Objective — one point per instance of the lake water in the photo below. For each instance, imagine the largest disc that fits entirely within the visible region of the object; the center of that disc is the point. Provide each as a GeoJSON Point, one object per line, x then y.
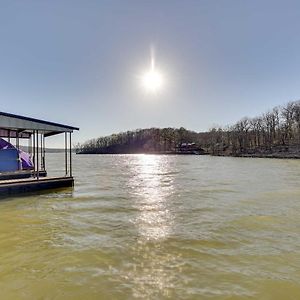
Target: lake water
{"type": "Point", "coordinates": [156, 227]}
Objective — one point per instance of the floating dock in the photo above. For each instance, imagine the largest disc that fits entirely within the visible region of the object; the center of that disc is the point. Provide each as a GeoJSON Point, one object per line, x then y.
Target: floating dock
{"type": "Point", "coordinates": [31, 185]}
{"type": "Point", "coordinates": [15, 128]}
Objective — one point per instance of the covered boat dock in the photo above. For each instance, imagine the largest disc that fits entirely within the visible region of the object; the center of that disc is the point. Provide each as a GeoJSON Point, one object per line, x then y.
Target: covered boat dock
{"type": "Point", "coordinates": [14, 178]}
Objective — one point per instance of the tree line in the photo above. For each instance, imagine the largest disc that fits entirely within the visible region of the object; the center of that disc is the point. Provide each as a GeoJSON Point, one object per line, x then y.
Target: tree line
{"type": "Point", "coordinates": [277, 130]}
{"type": "Point", "coordinates": [152, 140]}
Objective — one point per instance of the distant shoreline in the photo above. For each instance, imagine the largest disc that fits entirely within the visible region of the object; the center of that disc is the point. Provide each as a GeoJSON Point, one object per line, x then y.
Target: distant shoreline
{"type": "Point", "coordinates": [47, 150]}
{"type": "Point", "coordinates": [273, 155]}
{"type": "Point", "coordinates": [274, 134]}
{"type": "Point", "coordinates": [154, 153]}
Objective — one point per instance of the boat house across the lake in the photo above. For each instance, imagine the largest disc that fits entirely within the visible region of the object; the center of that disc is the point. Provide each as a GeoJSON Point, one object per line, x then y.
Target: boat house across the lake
{"type": "Point", "coordinates": [22, 172]}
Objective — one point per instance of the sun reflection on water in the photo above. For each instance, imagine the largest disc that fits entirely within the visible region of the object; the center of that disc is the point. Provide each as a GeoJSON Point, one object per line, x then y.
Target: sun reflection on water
{"type": "Point", "coordinates": [152, 184]}
{"type": "Point", "coordinates": [152, 189]}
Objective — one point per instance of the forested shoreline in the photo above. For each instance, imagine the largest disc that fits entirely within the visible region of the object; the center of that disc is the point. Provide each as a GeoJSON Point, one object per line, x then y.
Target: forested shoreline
{"type": "Point", "coordinates": [275, 133]}
{"type": "Point", "coordinates": [152, 140]}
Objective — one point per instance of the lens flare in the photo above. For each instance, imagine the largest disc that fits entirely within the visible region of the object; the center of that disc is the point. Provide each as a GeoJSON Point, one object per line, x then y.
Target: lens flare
{"type": "Point", "coordinates": [152, 81]}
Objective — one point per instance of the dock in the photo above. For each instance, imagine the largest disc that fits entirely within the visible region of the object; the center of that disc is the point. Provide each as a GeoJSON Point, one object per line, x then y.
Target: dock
{"type": "Point", "coordinates": [14, 178]}
{"type": "Point", "coordinates": [31, 185]}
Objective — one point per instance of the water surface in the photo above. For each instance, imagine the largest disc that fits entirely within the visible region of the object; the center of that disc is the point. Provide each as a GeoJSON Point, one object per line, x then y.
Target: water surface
{"type": "Point", "coordinates": [156, 227]}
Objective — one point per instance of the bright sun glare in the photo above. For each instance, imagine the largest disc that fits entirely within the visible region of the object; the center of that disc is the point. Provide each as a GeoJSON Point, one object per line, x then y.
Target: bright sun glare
{"type": "Point", "coordinates": [152, 80]}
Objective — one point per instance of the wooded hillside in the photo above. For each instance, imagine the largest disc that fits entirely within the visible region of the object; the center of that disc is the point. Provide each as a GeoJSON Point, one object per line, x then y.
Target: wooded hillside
{"type": "Point", "coordinates": [276, 131]}
{"type": "Point", "coordinates": [153, 140]}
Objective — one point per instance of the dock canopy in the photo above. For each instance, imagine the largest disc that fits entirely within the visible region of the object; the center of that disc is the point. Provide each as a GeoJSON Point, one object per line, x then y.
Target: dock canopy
{"type": "Point", "coordinates": [15, 126]}
{"type": "Point", "coordinates": [26, 172]}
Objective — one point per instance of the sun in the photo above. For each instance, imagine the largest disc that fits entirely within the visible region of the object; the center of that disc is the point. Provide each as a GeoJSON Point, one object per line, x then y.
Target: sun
{"type": "Point", "coordinates": [152, 80]}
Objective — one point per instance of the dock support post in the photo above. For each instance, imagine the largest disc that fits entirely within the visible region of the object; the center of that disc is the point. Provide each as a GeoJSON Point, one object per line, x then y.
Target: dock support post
{"type": "Point", "coordinates": [18, 147]}
{"type": "Point", "coordinates": [70, 154]}
{"type": "Point", "coordinates": [37, 154]}
{"type": "Point", "coordinates": [44, 153]}
{"type": "Point", "coordinates": [17, 140]}
{"type": "Point", "coordinates": [66, 153]}
{"type": "Point", "coordinates": [34, 156]}
{"type": "Point", "coordinates": [30, 146]}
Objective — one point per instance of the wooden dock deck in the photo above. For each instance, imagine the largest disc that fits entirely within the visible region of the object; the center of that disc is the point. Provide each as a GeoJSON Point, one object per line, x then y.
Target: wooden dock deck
{"type": "Point", "coordinates": [29, 185]}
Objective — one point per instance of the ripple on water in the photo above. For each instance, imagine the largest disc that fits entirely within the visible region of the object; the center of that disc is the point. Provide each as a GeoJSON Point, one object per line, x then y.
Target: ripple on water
{"type": "Point", "coordinates": [157, 227]}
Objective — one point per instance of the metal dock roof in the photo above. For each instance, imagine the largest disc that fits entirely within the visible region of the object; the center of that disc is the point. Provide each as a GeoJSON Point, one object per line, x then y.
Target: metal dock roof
{"type": "Point", "coordinates": [11, 124]}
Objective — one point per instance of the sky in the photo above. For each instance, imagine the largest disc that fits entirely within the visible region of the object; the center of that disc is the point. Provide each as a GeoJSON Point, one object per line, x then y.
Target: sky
{"type": "Point", "coordinates": [80, 62]}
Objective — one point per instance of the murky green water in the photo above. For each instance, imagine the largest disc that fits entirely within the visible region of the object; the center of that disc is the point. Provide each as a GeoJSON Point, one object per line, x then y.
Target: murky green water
{"type": "Point", "coordinates": [156, 227]}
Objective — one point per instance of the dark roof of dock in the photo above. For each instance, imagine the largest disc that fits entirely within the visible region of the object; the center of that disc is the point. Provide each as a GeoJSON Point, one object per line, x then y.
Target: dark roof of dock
{"type": "Point", "coordinates": [22, 124]}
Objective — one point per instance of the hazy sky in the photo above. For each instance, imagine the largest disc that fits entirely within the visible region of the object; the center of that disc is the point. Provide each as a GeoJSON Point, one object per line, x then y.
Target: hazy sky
{"type": "Point", "coordinates": [79, 62]}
